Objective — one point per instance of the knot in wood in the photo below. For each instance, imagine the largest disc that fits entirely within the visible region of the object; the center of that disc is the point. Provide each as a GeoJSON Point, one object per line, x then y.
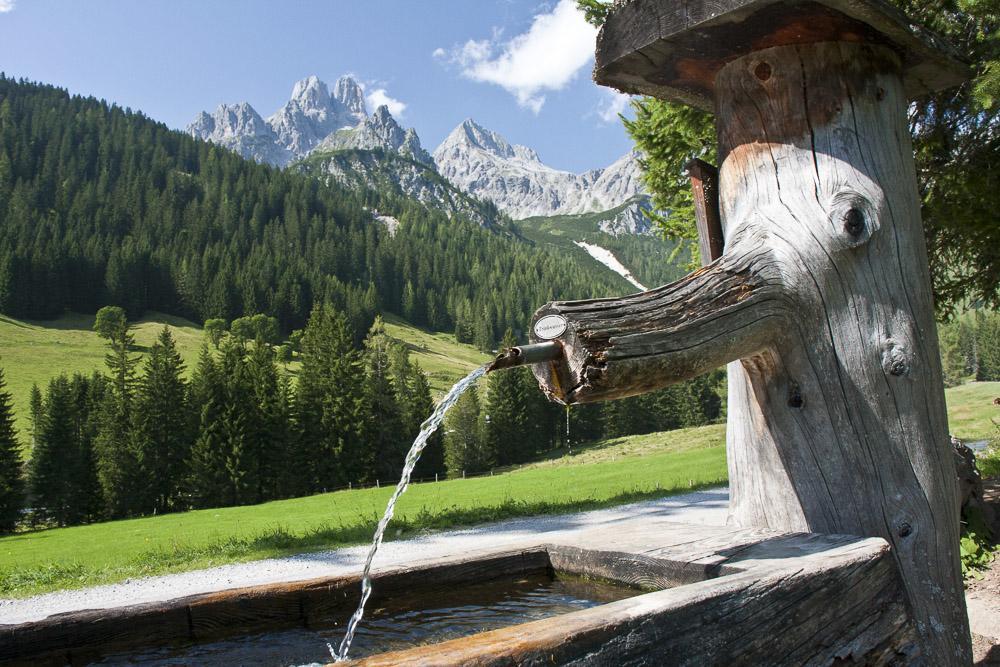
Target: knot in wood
{"type": "Point", "coordinates": [895, 359]}
{"type": "Point", "coordinates": [762, 71]}
{"type": "Point", "coordinates": [854, 222]}
{"type": "Point", "coordinates": [795, 396]}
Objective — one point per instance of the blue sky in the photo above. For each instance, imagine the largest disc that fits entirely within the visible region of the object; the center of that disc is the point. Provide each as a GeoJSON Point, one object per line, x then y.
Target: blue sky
{"type": "Point", "coordinates": [520, 67]}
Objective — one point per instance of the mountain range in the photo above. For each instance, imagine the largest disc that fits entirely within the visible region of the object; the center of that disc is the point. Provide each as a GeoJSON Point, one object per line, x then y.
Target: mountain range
{"type": "Point", "coordinates": [319, 124]}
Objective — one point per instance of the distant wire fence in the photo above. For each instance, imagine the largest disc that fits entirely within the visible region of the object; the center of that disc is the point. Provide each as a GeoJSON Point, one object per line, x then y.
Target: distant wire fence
{"type": "Point", "coordinates": [379, 483]}
{"type": "Point", "coordinates": [391, 483]}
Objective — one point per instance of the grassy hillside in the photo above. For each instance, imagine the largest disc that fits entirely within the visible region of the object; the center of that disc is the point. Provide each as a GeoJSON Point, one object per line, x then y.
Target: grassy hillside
{"type": "Point", "coordinates": [614, 472]}
{"type": "Point", "coordinates": [444, 359]}
{"type": "Point", "coordinates": [971, 409]}
{"type": "Point", "coordinates": [37, 351]}
{"type": "Point", "coordinates": [34, 352]}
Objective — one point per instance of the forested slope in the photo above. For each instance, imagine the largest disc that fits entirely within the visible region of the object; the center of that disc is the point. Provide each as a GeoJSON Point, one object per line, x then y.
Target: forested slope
{"type": "Point", "coordinates": [102, 205]}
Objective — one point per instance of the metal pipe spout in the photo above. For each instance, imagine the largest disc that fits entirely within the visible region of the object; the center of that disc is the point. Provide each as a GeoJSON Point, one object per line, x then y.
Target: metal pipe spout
{"type": "Point", "coordinates": [523, 355]}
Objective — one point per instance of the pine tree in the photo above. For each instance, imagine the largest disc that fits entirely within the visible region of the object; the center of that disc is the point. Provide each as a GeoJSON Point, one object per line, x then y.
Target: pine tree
{"type": "Point", "coordinates": [207, 476]}
{"type": "Point", "coordinates": [511, 414]}
{"type": "Point", "coordinates": [329, 412]}
{"type": "Point", "coordinates": [117, 461]}
{"type": "Point", "coordinates": [11, 472]}
{"type": "Point", "coordinates": [53, 460]}
{"type": "Point", "coordinates": [162, 437]}
{"type": "Point", "coordinates": [416, 405]}
{"type": "Point", "coordinates": [239, 421]}
{"type": "Point", "coordinates": [952, 359]}
{"type": "Point", "coordinates": [36, 408]}
{"type": "Point", "coordinates": [465, 447]}
{"type": "Point", "coordinates": [90, 394]}
{"type": "Point", "coordinates": [385, 432]}
{"type": "Point", "coordinates": [988, 346]}
{"type": "Point", "coordinates": [269, 425]}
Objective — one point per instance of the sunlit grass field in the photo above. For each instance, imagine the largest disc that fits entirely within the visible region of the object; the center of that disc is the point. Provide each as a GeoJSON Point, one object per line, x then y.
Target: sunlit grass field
{"type": "Point", "coordinates": [35, 352]}
{"type": "Point", "coordinates": [971, 412]}
{"type": "Point", "coordinates": [605, 474]}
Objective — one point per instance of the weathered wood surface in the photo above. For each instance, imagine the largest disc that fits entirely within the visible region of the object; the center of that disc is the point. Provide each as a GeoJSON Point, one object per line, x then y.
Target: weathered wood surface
{"type": "Point", "coordinates": [81, 637]}
{"type": "Point", "coordinates": [836, 414]}
{"type": "Point", "coordinates": [734, 588]}
{"type": "Point", "coordinates": [705, 193]}
{"type": "Point", "coordinates": [675, 49]}
{"type": "Point", "coordinates": [842, 604]}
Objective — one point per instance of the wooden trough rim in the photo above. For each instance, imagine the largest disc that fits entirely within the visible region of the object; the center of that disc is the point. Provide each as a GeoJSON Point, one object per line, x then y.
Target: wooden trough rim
{"type": "Point", "coordinates": [676, 555]}
{"type": "Point", "coordinates": [583, 635]}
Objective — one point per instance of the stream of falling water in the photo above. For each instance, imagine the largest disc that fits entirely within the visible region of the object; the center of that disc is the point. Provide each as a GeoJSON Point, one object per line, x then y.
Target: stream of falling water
{"type": "Point", "coordinates": [426, 430]}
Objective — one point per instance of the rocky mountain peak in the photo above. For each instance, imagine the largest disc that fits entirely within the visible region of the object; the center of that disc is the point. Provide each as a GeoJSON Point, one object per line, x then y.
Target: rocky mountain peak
{"type": "Point", "coordinates": [484, 164]}
{"type": "Point", "coordinates": [472, 135]}
{"type": "Point", "coordinates": [383, 117]}
{"type": "Point", "coordinates": [351, 95]}
{"type": "Point", "coordinates": [309, 116]}
{"type": "Point", "coordinates": [312, 94]}
{"type": "Point", "coordinates": [239, 127]}
{"type": "Point", "coordinates": [379, 131]}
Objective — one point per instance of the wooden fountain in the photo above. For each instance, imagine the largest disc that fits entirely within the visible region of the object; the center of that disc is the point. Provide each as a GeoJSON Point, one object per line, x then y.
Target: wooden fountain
{"type": "Point", "coordinates": [820, 301]}
{"type": "Point", "coordinates": [842, 544]}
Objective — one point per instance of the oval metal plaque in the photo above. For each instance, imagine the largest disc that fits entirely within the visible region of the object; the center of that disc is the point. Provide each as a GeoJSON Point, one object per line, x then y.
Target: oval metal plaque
{"type": "Point", "coordinates": [550, 326]}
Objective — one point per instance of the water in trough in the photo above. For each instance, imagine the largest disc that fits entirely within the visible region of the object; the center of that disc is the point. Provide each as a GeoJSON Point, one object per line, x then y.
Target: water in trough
{"type": "Point", "coordinates": [416, 449]}
{"type": "Point", "coordinates": [398, 624]}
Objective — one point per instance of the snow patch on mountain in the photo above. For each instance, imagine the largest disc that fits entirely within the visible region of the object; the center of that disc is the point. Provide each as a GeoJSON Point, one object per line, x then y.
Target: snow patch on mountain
{"type": "Point", "coordinates": [608, 259]}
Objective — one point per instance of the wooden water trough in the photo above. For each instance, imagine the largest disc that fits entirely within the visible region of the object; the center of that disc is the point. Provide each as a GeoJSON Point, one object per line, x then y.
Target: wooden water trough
{"type": "Point", "coordinates": [717, 596]}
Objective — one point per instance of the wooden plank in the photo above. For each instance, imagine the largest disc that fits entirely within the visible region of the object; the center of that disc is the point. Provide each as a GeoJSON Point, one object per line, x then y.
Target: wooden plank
{"type": "Point", "coordinates": [225, 614]}
{"type": "Point", "coordinates": [821, 305]}
{"type": "Point", "coordinates": [705, 192]}
{"type": "Point", "coordinates": [633, 570]}
{"type": "Point", "coordinates": [85, 636]}
{"type": "Point", "coordinates": [673, 50]}
{"type": "Point", "coordinates": [79, 636]}
{"type": "Point", "coordinates": [848, 609]}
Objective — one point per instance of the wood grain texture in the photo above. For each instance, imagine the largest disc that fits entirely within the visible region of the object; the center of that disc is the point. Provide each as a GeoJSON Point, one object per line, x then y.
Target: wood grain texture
{"type": "Point", "coordinates": [85, 636]}
{"type": "Point", "coordinates": [843, 606]}
{"type": "Point", "coordinates": [848, 398]}
{"type": "Point", "coordinates": [705, 193]}
{"type": "Point", "coordinates": [820, 595]}
{"type": "Point", "coordinates": [673, 50]}
{"type": "Point", "coordinates": [836, 413]}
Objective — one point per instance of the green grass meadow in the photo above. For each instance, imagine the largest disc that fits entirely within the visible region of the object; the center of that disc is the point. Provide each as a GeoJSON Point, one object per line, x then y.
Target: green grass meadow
{"type": "Point", "coordinates": [971, 413]}
{"type": "Point", "coordinates": [35, 352]}
{"type": "Point", "coordinates": [606, 474]}
{"type": "Point", "coordinates": [610, 472]}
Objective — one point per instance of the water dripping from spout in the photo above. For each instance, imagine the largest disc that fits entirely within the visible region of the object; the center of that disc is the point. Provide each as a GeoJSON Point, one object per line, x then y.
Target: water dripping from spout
{"type": "Point", "coordinates": [426, 430]}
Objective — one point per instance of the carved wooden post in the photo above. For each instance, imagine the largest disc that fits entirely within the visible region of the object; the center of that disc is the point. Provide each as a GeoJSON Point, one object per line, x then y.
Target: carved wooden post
{"type": "Point", "coordinates": [821, 300]}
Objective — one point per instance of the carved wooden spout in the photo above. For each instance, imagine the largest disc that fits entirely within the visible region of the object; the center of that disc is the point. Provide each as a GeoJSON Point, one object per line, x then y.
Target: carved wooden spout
{"type": "Point", "coordinates": [822, 303]}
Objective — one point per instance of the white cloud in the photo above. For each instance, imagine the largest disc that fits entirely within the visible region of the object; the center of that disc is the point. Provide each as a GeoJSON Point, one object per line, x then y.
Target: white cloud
{"type": "Point", "coordinates": [439, 53]}
{"type": "Point", "coordinates": [612, 105]}
{"type": "Point", "coordinates": [379, 96]}
{"type": "Point", "coordinates": [546, 57]}
{"type": "Point", "coordinates": [6, 6]}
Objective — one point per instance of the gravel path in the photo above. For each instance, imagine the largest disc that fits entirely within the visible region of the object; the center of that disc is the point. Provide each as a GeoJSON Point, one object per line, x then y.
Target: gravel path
{"type": "Point", "coordinates": [703, 507]}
